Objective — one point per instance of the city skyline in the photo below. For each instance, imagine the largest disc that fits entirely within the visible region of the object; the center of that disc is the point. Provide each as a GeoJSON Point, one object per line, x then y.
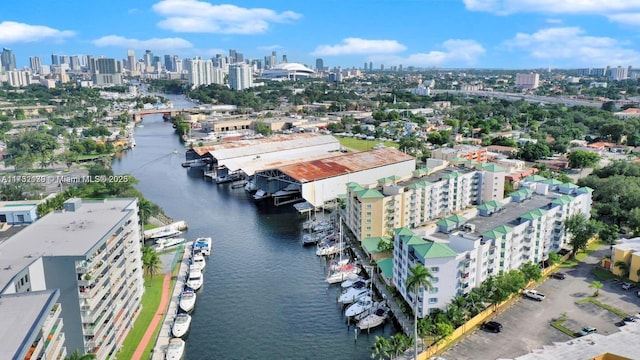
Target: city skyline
{"type": "Point", "coordinates": [429, 33]}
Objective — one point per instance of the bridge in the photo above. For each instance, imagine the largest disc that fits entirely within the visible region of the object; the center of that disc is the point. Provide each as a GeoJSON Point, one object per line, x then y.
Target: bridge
{"type": "Point", "coordinates": [529, 98]}
{"type": "Point", "coordinates": [209, 109]}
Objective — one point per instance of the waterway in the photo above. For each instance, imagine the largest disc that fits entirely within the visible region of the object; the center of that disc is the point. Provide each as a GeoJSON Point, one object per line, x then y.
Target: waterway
{"type": "Point", "coordinates": [264, 295]}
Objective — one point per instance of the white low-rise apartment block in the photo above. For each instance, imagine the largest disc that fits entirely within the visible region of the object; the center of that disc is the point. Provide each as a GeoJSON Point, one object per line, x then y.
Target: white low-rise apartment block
{"type": "Point", "coordinates": [88, 254]}
{"type": "Point", "coordinates": [464, 249]}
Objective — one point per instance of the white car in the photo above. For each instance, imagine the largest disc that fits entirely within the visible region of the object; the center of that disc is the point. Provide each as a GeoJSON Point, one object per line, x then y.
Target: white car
{"type": "Point", "coordinates": [626, 286]}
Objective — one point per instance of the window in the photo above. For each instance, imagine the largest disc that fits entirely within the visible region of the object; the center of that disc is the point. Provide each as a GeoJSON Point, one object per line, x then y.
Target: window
{"type": "Point", "coordinates": [433, 300]}
{"type": "Point", "coordinates": [369, 206]}
{"type": "Point", "coordinates": [435, 280]}
{"type": "Point", "coordinates": [433, 290]}
{"type": "Point", "coordinates": [368, 228]}
{"type": "Point", "coordinates": [368, 213]}
{"type": "Point", "coordinates": [434, 269]}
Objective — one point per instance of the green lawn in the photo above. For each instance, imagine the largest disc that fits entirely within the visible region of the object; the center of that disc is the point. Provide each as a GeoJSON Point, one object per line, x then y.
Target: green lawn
{"type": "Point", "coordinates": [602, 274]}
{"type": "Point", "coordinates": [610, 309]}
{"type": "Point", "coordinates": [150, 303]}
{"type": "Point", "coordinates": [150, 226]}
{"type": "Point", "coordinates": [363, 145]}
{"type": "Point", "coordinates": [559, 324]}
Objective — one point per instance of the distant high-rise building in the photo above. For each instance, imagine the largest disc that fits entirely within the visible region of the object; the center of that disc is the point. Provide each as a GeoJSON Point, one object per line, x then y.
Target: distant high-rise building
{"type": "Point", "coordinates": [365, 66]}
{"type": "Point", "coordinates": [239, 57]}
{"type": "Point", "coordinates": [232, 55]}
{"type": "Point", "coordinates": [108, 72]}
{"type": "Point", "coordinates": [36, 64]}
{"type": "Point", "coordinates": [240, 76]}
{"type": "Point", "coordinates": [168, 63]}
{"type": "Point", "coordinates": [8, 60]}
{"type": "Point", "coordinates": [74, 63]}
{"type": "Point", "coordinates": [528, 81]}
{"type": "Point", "coordinates": [131, 62]}
{"type": "Point", "coordinates": [319, 65]}
{"type": "Point", "coordinates": [55, 59]}
{"type": "Point", "coordinates": [370, 65]}
{"type": "Point", "coordinates": [201, 72]}
{"type": "Point", "coordinates": [381, 67]}
{"type": "Point", "coordinates": [284, 59]}
{"type": "Point", "coordinates": [148, 60]}
{"type": "Point", "coordinates": [91, 64]}
{"type": "Point", "coordinates": [618, 73]}
{"type": "Point", "coordinates": [400, 67]}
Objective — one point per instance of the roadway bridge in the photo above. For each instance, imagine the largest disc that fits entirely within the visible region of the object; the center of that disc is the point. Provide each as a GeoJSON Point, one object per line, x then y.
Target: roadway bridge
{"type": "Point", "coordinates": [211, 109]}
{"type": "Point", "coordinates": [529, 98]}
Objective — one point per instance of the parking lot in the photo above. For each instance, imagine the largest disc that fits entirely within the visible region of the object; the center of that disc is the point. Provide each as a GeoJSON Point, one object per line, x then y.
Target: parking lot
{"type": "Point", "coordinates": [526, 324]}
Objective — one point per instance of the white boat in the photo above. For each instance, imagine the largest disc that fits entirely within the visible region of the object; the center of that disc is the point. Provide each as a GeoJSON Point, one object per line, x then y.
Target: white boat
{"type": "Point", "coordinates": [329, 249]}
{"type": "Point", "coordinates": [165, 243]}
{"type": "Point", "coordinates": [312, 238]}
{"type": "Point", "coordinates": [175, 350]}
{"type": "Point", "coordinates": [353, 280]}
{"type": "Point", "coordinates": [195, 279]}
{"type": "Point", "coordinates": [260, 195]}
{"type": "Point", "coordinates": [376, 317]}
{"type": "Point", "coordinates": [338, 265]}
{"type": "Point", "coordinates": [198, 260]}
{"type": "Point", "coordinates": [227, 178]}
{"type": "Point", "coordinates": [288, 190]}
{"type": "Point", "coordinates": [360, 306]}
{"type": "Point", "coordinates": [352, 294]}
{"type": "Point", "coordinates": [204, 244]}
{"type": "Point", "coordinates": [168, 232]}
{"type": "Point", "coordinates": [322, 226]}
{"type": "Point", "coordinates": [250, 186]}
{"type": "Point", "coordinates": [187, 300]}
{"type": "Point", "coordinates": [181, 325]}
{"type": "Point", "coordinates": [344, 273]}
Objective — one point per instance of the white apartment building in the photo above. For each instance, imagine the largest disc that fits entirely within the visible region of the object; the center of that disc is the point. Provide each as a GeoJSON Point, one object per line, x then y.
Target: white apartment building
{"type": "Point", "coordinates": [240, 76]}
{"type": "Point", "coordinates": [498, 236]}
{"type": "Point", "coordinates": [201, 72]}
{"type": "Point", "coordinates": [618, 73]}
{"type": "Point", "coordinates": [90, 253]}
{"type": "Point", "coordinates": [528, 81]}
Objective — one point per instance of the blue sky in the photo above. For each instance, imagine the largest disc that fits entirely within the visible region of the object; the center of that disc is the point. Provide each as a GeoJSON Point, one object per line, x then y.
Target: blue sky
{"type": "Point", "coordinates": [347, 33]}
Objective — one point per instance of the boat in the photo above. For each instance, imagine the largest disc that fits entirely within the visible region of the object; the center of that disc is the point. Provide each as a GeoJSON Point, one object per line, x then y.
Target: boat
{"type": "Point", "coordinates": [165, 243]}
{"type": "Point", "coordinates": [343, 273]}
{"type": "Point", "coordinates": [204, 245]}
{"type": "Point", "coordinates": [350, 295]}
{"type": "Point", "coordinates": [181, 325]}
{"type": "Point", "coordinates": [313, 238]}
{"type": "Point", "coordinates": [260, 195]}
{"type": "Point", "coordinates": [376, 317]}
{"type": "Point", "coordinates": [288, 190]}
{"type": "Point", "coordinates": [175, 350]}
{"type": "Point", "coordinates": [195, 280]}
{"type": "Point", "coordinates": [199, 261]}
{"type": "Point", "coordinates": [250, 186]}
{"type": "Point", "coordinates": [325, 249]}
{"type": "Point", "coordinates": [353, 281]}
{"type": "Point", "coordinates": [168, 232]}
{"type": "Point", "coordinates": [187, 300]}
{"type": "Point", "coordinates": [227, 178]}
{"type": "Point", "coordinates": [322, 226]}
{"type": "Point", "coordinates": [363, 304]}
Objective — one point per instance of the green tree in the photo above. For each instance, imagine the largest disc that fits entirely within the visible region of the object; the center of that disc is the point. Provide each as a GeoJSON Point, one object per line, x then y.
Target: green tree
{"type": "Point", "coordinates": [580, 230]}
{"type": "Point", "coordinates": [381, 348]}
{"type": "Point", "coordinates": [531, 271]}
{"type": "Point", "coordinates": [554, 258]}
{"type": "Point", "coordinates": [597, 285]}
{"type": "Point", "coordinates": [77, 356]}
{"type": "Point", "coordinates": [151, 262]}
{"type": "Point", "coordinates": [580, 159]}
{"type": "Point", "coordinates": [419, 278]}
{"type": "Point", "coordinates": [263, 128]}
{"type": "Point", "coordinates": [622, 266]}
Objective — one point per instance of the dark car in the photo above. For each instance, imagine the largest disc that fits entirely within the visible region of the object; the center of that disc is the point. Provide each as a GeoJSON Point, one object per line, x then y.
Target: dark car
{"type": "Point", "coordinates": [492, 326]}
{"type": "Point", "coordinates": [587, 330]}
{"type": "Point", "coordinates": [629, 319]}
{"type": "Point", "coordinates": [559, 275]}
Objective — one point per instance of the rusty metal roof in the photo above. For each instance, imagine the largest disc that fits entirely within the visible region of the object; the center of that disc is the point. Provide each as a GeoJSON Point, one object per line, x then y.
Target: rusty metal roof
{"type": "Point", "coordinates": [348, 163]}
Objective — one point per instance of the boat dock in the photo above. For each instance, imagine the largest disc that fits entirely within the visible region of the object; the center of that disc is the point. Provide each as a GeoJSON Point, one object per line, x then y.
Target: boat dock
{"type": "Point", "coordinates": [162, 342]}
{"type": "Point", "coordinates": [404, 321]}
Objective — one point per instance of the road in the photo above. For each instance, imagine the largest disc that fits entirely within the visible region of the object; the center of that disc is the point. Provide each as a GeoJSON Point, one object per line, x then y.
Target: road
{"type": "Point", "coordinates": [529, 98]}
{"type": "Point", "coordinates": [527, 322]}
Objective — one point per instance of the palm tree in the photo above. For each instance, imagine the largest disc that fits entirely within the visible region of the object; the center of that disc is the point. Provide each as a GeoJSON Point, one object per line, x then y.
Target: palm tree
{"type": "Point", "coordinates": [420, 277]}
{"type": "Point", "coordinates": [596, 285]}
{"type": "Point", "coordinates": [76, 356]}
{"type": "Point", "coordinates": [151, 261]}
{"type": "Point", "coordinates": [380, 348]}
{"type": "Point", "coordinates": [622, 266]}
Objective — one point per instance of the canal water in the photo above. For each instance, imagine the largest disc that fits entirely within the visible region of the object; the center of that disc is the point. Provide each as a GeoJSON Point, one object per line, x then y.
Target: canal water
{"type": "Point", "coordinates": [264, 294]}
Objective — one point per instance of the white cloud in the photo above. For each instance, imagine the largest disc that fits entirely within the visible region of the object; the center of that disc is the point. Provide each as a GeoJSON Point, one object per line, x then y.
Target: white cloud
{"type": "Point", "coordinates": [570, 45]}
{"type": "Point", "coordinates": [456, 52]}
{"type": "Point", "coordinates": [553, 6]}
{"type": "Point", "coordinates": [155, 43]}
{"type": "Point", "coordinates": [202, 17]}
{"type": "Point", "coordinates": [632, 19]}
{"type": "Point", "coordinates": [353, 46]}
{"type": "Point", "coordinates": [15, 32]}
{"type": "Point", "coordinates": [554, 21]}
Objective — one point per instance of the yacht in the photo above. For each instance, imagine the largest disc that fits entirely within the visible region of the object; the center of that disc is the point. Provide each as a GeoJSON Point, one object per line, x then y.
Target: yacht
{"type": "Point", "coordinates": [175, 350]}
{"type": "Point", "coordinates": [168, 232]}
{"type": "Point", "coordinates": [181, 325]}
{"type": "Point", "coordinates": [195, 279]}
{"type": "Point", "coordinates": [260, 195]}
{"type": "Point", "coordinates": [187, 300]}
{"type": "Point", "coordinates": [363, 304]}
{"type": "Point", "coordinates": [352, 294]}
{"type": "Point", "coordinates": [198, 260]}
{"type": "Point", "coordinates": [165, 243]}
{"type": "Point", "coordinates": [204, 245]}
{"type": "Point", "coordinates": [343, 273]}
{"type": "Point", "coordinates": [376, 317]}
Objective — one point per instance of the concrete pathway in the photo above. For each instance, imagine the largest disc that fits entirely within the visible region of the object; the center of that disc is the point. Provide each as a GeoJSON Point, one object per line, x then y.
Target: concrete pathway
{"type": "Point", "coordinates": [164, 301]}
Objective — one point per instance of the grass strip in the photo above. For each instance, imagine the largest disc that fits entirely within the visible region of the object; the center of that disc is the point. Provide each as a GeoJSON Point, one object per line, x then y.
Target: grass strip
{"type": "Point", "coordinates": [558, 324]}
{"type": "Point", "coordinates": [150, 302]}
{"type": "Point", "coordinates": [602, 274]}
{"type": "Point", "coordinates": [602, 305]}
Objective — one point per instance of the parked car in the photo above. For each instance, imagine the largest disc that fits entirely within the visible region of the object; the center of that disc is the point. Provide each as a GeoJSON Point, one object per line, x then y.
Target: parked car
{"type": "Point", "coordinates": [559, 275]}
{"type": "Point", "coordinates": [626, 286]}
{"type": "Point", "coordinates": [533, 294]}
{"type": "Point", "coordinates": [586, 331]}
{"type": "Point", "coordinates": [492, 326]}
{"type": "Point", "coordinates": [629, 319]}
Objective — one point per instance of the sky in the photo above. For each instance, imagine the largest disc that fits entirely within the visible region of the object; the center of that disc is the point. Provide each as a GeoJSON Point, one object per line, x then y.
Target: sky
{"type": "Point", "coordinates": [513, 34]}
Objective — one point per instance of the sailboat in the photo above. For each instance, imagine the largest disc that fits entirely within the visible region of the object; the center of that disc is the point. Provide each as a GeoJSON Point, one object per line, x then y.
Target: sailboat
{"type": "Point", "coordinates": [340, 270]}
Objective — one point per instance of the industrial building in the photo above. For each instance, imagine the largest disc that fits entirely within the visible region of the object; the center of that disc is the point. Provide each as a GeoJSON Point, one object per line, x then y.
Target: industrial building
{"type": "Point", "coordinates": [81, 265]}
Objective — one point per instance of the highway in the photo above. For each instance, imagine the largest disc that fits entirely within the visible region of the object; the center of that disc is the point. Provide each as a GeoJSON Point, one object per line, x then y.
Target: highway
{"type": "Point", "coordinates": [529, 98]}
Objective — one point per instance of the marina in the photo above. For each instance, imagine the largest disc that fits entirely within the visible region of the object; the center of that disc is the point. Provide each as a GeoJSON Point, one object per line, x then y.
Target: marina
{"type": "Point", "coordinates": [259, 252]}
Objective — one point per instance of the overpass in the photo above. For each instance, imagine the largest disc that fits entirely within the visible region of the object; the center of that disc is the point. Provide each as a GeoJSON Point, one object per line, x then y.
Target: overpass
{"type": "Point", "coordinates": [529, 98]}
{"type": "Point", "coordinates": [138, 114]}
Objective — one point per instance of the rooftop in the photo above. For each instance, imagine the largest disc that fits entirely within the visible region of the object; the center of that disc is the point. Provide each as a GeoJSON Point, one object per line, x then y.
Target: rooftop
{"type": "Point", "coordinates": [258, 146]}
{"type": "Point", "coordinates": [24, 311]}
{"type": "Point", "coordinates": [62, 233]}
{"type": "Point", "coordinates": [347, 163]}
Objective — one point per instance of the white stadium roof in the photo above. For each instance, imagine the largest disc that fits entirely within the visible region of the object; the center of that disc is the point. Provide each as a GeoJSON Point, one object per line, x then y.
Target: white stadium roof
{"type": "Point", "coordinates": [288, 70]}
